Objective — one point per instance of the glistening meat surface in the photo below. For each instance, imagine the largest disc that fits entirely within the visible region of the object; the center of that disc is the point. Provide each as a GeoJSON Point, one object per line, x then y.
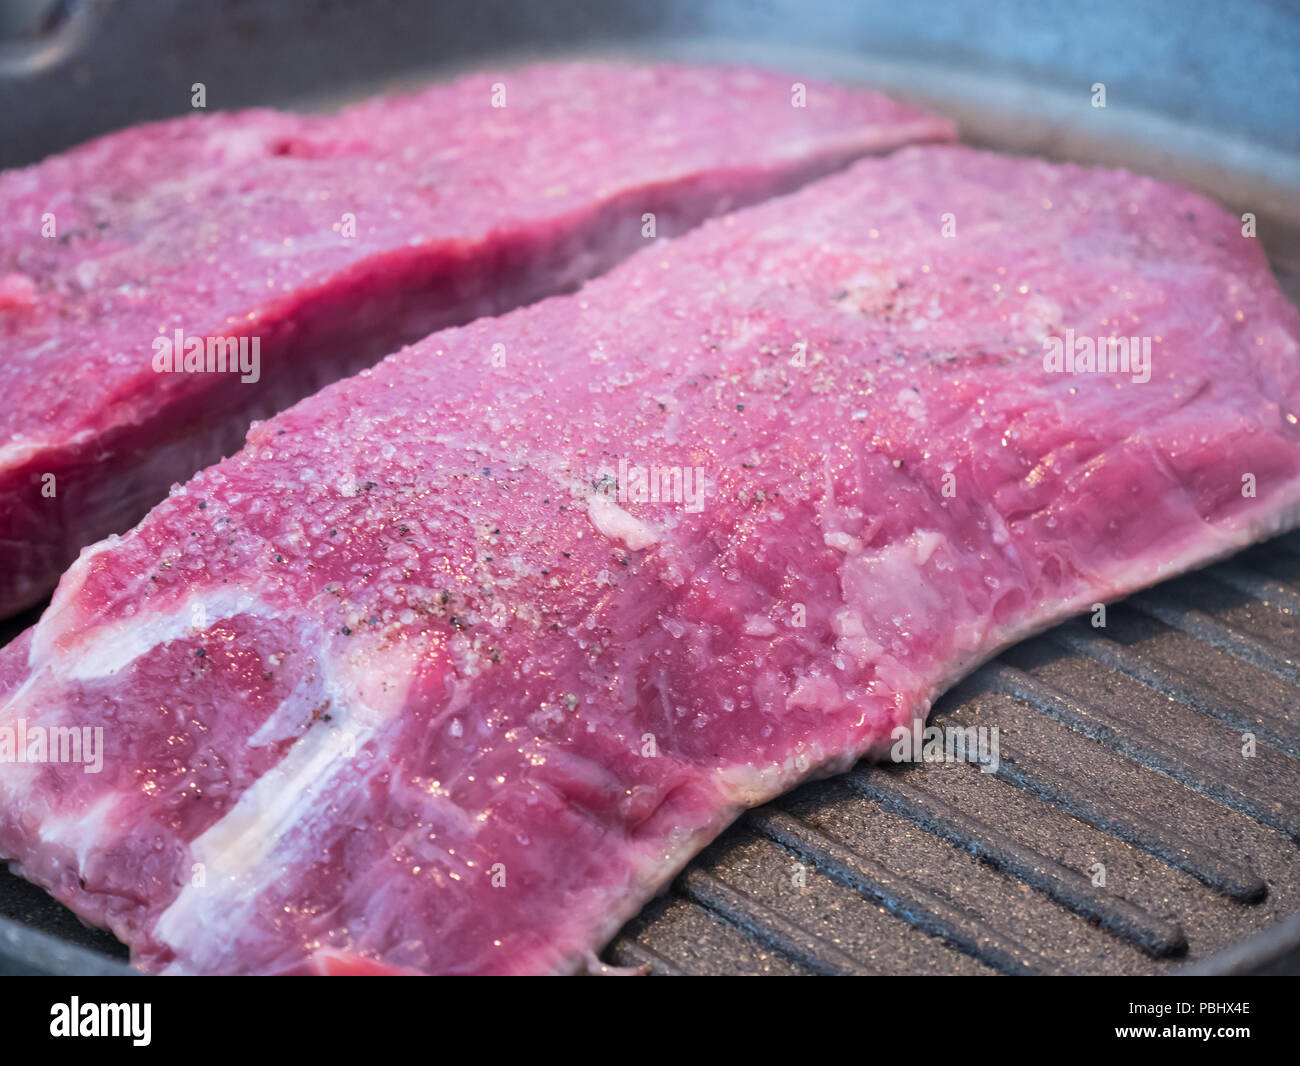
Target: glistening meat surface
{"type": "Point", "coordinates": [409, 683]}
{"type": "Point", "coordinates": [333, 240]}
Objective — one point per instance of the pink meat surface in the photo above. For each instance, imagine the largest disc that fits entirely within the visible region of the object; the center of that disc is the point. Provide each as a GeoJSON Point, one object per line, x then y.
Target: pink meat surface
{"type": "Point", "coordinates": [238, 225]}
{"type": "Point", "coordinates": [417, 681]}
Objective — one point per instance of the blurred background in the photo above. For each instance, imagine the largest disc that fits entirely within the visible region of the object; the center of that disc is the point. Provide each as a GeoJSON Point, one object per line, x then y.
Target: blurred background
{"type": "Point", "coordinates": [70, 69]}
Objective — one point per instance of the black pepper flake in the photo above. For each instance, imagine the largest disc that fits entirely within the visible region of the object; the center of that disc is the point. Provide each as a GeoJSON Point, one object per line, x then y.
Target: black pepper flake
{"type": "Point", "coordinates": [346, 631]}
{"type": "Point", "coordinates": [202, 653]}
{"type": "Point", "coordinates": [203, 505]}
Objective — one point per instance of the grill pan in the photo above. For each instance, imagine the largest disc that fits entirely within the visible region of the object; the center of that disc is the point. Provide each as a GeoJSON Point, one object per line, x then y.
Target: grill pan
{"type": "Point", "coordinates": [1125, 832]}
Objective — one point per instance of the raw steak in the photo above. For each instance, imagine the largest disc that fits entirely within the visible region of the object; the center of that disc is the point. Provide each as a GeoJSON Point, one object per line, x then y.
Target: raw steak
{"type": "Point", "coordinates": [424, 680]}
{"type": "Point", "coordinates": [240, 225]}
